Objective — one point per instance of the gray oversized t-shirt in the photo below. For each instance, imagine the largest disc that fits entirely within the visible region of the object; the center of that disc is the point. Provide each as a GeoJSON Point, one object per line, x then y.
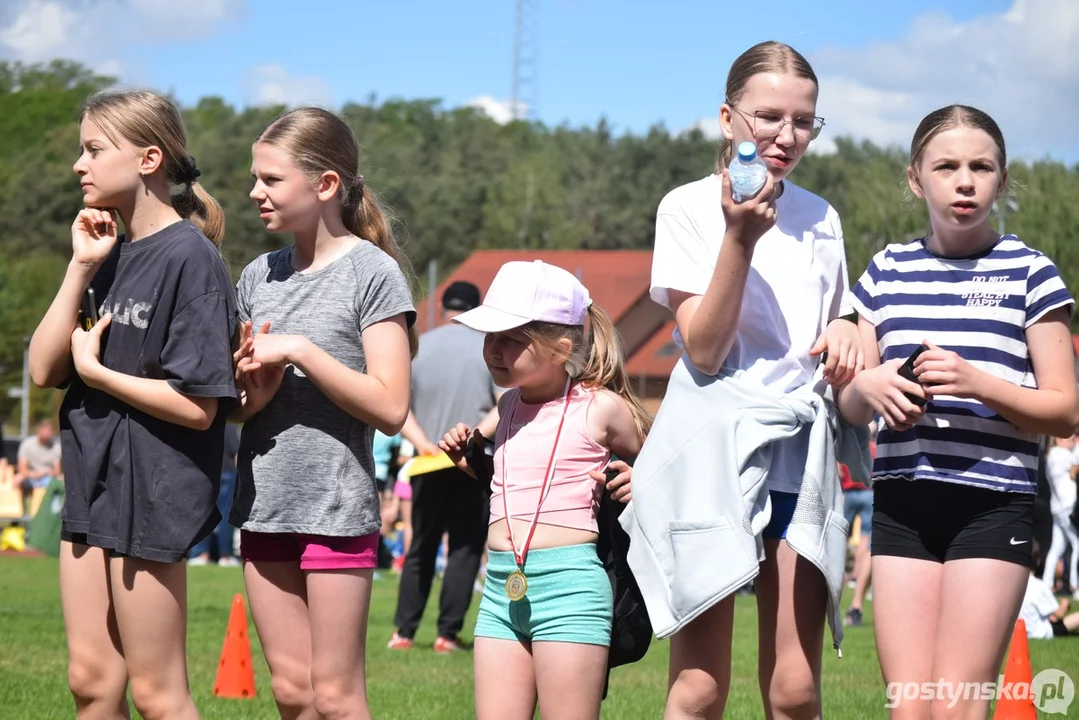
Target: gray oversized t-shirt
{"type": "Point", "coordinates": [305, 465]}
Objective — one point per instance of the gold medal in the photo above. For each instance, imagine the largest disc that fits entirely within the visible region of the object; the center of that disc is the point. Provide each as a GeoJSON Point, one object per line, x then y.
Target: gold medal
{"type": "Point", "coordinates": [516, 585]}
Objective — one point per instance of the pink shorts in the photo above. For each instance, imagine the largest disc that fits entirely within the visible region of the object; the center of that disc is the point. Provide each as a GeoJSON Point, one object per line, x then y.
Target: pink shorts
{"type": "Point", "coordinates": [313, 552]}
{"type": "Point", "coordinates": [403, 490]}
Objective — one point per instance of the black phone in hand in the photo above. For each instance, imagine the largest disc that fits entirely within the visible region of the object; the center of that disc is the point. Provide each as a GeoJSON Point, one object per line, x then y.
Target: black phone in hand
{"type": "Point", "coordinates": [906, 370]}
{"type": "Point", "coordinates": [88, 314]}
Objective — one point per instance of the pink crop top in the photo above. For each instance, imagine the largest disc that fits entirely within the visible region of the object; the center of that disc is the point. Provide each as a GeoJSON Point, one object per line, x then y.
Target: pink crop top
{"type": "Point", "coordinates": [572, 497]}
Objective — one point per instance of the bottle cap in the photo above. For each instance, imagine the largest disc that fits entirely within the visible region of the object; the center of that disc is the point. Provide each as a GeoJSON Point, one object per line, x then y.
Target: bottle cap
{"type": "Point", "coordinates": [747, 151]}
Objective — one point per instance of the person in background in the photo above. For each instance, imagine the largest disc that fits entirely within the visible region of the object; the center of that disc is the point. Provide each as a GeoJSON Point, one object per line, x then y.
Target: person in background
{"type": "Point", "coordinates": [222, 536]}
{"type": "Point", "coordinates": [39, 461]}
{"type": "Point", "coordinates": [402, 501]}
{"type": "Point", "coordinates": [1044, 616]}
{"type": "Point", "coordinates": [1060, 470]}
{"type": "Point", "coordinates": [858, 501]}
{"type": "Point", "coordinates": [450, 383]}
{"type": "Point", "coordinates": [386, 453]}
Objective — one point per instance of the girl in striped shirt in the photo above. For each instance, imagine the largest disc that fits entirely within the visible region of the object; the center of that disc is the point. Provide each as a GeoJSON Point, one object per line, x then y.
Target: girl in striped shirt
{"type": "Point", "coordinates": [955, 473]}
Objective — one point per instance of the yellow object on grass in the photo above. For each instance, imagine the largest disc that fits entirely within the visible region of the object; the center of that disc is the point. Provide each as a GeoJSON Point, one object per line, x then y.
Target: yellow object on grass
{"type": "Point", "coordinates": [13, 538]}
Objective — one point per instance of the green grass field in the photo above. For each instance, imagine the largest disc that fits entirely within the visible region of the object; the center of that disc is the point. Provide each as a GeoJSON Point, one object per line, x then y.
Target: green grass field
{"type": "Point", "coordinates": [415, 685]}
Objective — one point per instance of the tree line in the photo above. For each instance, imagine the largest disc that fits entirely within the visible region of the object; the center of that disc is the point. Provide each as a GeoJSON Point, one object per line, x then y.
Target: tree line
{"type": "Point", "coordinates": [455, 181]}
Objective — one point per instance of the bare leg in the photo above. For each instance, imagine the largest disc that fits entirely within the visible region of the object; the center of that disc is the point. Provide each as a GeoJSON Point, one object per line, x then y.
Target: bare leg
{"type": "Point", "coordinates": [97, 672]}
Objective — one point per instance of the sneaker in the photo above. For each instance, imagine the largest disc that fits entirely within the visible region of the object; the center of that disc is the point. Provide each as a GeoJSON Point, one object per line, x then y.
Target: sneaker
{"type": "Point", "coordinates": [854, 617]}
{"type": "Point", "coordinates": [197, 561]}
{"type": "Point", "coordinates": [400, 643]}
{"type": "Point", "coordinates": [445, 645]}
{"type": "Point", "coordinates": [230, 561]}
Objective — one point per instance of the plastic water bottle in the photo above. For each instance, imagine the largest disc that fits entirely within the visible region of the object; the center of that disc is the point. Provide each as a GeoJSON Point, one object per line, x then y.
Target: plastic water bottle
{"type": "Point", "coordinates": [747, 173]}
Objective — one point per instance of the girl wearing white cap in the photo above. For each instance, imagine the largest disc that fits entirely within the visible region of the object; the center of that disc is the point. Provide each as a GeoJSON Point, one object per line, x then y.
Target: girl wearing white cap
{"type": "Point", "coordinates": [544, 624]}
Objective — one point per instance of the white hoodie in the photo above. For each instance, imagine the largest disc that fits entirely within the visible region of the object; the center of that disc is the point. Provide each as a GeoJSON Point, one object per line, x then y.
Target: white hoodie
{"type": "Point", "coordinates": [699, 499]}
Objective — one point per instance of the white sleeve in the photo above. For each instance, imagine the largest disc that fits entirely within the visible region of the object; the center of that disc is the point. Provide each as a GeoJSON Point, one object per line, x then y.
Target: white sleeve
{"type": "Point", "coordinates": [842, 303]}
{"type": "Point", "coordinates": [681, 259]}
{"type": "Point", "coordinates": [1058, 464]}
{"type": "Point", "coordinates": [1044, 601]}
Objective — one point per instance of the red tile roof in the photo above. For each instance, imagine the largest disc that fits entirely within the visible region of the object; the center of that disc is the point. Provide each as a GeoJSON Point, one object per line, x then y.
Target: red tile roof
{"type": "Point", "coordinates": [616, 279]}
{"type": "Point", "coordinates": [657, 357]}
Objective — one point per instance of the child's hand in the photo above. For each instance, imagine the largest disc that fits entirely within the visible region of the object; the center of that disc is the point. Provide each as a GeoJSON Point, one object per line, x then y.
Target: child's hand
{"type": "Point", "coordinates": [270, 349]}
{"type": "Point", "coordinates": [86, 350]}
{"type": "Point", "coordinates": [843, 345]}
{"type": "Point", "coordinates": [260, 385]}
{"type": "Point", "coordinates": [619, 485]}
{"type": "Point", "coordinates": [454, 442]}
{"type": "Point", "coordinates": [885, 390]}
{"type": "Point", "coordinates": [945, 373]}
{"type": "Point", "coordinates": [242, 358]}
{"type": "Point", "coordinates": [93, 235]}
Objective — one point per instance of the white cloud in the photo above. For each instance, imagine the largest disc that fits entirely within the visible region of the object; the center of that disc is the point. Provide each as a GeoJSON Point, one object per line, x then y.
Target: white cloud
{"type": "Point", "coordinates": [274, 85]}
{"type": "Point", "coordinates": [501, 111]}
{"type": "Point", "coordinates": [1020, 66]}
{"type": "Point", "coordinates": [40, 30]}
{"type": "Point", "coordinates": [190, 18]}
{"type": "Point", "coordinates": [96, 31]}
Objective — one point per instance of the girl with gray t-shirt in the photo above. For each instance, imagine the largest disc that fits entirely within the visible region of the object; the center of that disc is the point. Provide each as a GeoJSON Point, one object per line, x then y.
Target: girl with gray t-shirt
{"type": "Point", "coordinates": [328, 366]}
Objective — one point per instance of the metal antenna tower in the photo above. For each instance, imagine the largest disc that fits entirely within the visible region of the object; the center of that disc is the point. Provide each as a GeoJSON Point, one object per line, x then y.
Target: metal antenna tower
{"type": "Point", "coordinates": [523, 94]}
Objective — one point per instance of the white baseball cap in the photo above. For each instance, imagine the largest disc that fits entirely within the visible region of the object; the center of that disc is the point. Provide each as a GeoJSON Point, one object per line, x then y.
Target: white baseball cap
{"type": "Point", "coordinates": [524, 292]}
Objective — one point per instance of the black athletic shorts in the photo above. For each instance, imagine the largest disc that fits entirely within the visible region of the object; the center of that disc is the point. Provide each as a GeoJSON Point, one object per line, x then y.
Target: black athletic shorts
{"type": "Point", "coordinates": [941, 521]}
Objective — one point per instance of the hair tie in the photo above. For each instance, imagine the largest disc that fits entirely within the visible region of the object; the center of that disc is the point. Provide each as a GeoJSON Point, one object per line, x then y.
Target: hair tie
{"type": "Point", "coordinates": [188, 173]}
{"type": "Point", "coordinates": [355, 190]}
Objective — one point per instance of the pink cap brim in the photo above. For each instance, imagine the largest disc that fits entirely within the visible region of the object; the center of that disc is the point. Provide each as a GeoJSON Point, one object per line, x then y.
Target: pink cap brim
{"type": "Point", "coordinates": [488, 319]}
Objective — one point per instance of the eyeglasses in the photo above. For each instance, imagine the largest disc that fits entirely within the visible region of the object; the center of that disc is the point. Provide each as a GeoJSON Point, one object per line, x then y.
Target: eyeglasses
{"type": "Point", "coordinates": [767, 124]}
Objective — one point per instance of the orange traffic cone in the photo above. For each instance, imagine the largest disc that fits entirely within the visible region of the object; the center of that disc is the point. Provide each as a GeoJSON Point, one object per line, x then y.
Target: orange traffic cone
{"type": "Point", "coordinates": [1017, 675]}
{"type": "Point", "coordinates": [235, 676]}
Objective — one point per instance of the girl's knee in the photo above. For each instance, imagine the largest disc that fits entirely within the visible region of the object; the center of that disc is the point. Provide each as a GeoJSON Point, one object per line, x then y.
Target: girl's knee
{"type": "Point", "coordinates": [336, 700]}
{"type": "Point", "coordinates": [697, 693]}
{"type": "Point", "coordinates": [155, 700]}
{"type": "Point", "coordinates": [293, 694]}
{"type": "Point", "coordinates": [793, 694]}
{"type": "Point", "coordinates": [93, 682]}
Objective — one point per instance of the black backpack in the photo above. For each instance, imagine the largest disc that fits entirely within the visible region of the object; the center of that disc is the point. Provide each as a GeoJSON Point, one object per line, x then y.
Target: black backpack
{"type": "Point", "coordinates": [631, 629]}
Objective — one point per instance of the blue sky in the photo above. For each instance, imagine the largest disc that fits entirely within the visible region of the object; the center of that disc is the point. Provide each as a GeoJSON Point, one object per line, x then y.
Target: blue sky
{"type": "Point", "coordinates": [882, 65]}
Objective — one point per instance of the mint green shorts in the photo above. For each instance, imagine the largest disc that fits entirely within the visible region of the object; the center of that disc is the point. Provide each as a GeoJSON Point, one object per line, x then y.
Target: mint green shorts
{"type": "Point", "coordinates": [568, 600]}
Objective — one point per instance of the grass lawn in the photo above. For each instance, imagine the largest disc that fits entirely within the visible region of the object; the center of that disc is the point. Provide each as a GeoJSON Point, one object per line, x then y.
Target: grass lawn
{"type": "Point", "coordinates": [414, 685]}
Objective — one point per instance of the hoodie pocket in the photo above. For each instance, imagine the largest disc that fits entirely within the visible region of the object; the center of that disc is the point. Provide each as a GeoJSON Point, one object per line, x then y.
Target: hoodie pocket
{"type": "Point", "coordinates": [709, 559]}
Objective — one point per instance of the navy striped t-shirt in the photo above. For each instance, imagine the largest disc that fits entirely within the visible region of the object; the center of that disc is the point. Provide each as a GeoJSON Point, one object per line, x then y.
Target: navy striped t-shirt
{"type": "Point", "coordinates": [980, 308]}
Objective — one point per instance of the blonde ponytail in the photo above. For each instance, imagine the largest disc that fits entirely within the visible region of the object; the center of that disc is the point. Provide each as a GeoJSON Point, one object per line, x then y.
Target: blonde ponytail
{"type": "Point", "coordinates": [200, 207]}
{"type": "Point", "coordinates": [362, 214]}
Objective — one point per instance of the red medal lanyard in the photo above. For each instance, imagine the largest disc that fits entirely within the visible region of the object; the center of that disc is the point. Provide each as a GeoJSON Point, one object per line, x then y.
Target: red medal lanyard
{"type": "Point", "coordinates": [520, 556]}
